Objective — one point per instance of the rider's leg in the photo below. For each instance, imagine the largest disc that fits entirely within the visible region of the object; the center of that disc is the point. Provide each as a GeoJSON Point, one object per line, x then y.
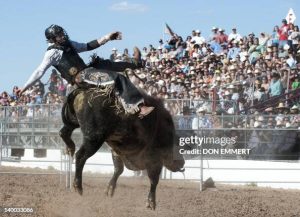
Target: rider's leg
{"type": "Point", "coordinates": [131, 97]}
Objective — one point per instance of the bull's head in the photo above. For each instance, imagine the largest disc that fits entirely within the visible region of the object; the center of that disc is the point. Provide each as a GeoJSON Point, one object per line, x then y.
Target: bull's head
{"type": "Point", "coordinates": [173, 160]}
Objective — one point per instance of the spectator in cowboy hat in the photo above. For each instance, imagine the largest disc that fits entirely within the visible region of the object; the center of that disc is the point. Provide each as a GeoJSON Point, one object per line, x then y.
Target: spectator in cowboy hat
{"type": "Point", "coordinates": [294, 109]}
{"type": "Point", "coordinates": [222, 38]}
{"type": "Point", "coordinates": [201, 120]}
{"type": "Point", "coordinates": [114, 54]}
{"type": "Point", "coordinates": [281, 108]}
{"type": "Point", "coordinates": [214, 34]}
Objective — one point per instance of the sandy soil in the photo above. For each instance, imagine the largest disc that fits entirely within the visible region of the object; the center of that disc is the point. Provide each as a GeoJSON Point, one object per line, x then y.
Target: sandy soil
{"type": "Point", "coordinates": [49, 198]}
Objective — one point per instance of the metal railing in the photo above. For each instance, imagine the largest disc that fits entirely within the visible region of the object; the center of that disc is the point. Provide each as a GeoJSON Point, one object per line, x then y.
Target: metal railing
{"type": "Point", "coordinates": [37, 127]}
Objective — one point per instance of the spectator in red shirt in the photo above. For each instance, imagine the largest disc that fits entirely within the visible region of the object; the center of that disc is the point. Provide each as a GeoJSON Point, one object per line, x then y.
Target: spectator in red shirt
{"type": "Point", "coordinates": [222, 38]}
{"type": "Point", "coordinates": [283, 33]}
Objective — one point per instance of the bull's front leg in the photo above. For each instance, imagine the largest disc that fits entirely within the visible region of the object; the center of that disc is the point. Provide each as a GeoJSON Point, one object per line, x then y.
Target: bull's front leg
{"type": "Point", "coordinates": [66, 133]}
{"type": "Point", "coordinates": [153, 174]}
{"type": "Point", "coordinates": [89, 147]}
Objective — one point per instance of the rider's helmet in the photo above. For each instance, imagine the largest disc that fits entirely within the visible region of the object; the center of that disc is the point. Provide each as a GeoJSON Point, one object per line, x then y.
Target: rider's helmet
{"type": "Point", "coordinates": [53, 31]}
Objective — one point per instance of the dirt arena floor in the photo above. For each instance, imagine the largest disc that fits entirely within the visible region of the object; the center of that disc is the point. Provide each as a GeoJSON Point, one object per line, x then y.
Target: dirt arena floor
{"type": "Point", "coordinates": [49, 198]}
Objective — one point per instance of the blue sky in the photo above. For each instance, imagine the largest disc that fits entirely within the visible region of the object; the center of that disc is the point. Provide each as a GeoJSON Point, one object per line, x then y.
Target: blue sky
{"type": "Point", "coordinates": [23, 23]}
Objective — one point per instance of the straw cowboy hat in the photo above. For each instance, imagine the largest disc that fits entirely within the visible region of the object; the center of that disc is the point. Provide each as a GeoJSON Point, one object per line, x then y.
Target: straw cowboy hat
{"type": "Point", "coordinates": [295, 107]}
{"type": "Point", "coordinates": [201, 109]}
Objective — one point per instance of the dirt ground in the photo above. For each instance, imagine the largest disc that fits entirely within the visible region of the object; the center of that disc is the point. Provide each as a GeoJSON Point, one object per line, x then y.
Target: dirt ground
{"type": "Point", "coordinates": [49, 198]}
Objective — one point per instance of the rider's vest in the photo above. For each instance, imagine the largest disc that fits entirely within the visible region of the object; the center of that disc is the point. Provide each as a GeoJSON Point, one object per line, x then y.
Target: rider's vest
{"type": "Point", "coordinates": [70, 64]}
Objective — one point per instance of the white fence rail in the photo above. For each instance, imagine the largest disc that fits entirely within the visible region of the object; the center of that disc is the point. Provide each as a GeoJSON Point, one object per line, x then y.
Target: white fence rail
{"type": "Point", "coordinates": [34, 130]}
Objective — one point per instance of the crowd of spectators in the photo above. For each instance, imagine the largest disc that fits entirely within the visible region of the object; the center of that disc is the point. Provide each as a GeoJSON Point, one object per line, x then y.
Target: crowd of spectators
{"type": "Point", "coordinates": [221, 73]}
{"type": "Point", "coordinates": [52, 92]}
{"type": "Point", "coordinates": [234, 71]}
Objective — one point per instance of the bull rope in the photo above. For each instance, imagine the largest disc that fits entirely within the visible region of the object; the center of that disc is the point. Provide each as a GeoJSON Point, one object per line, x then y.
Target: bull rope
{"type": "Point", "coordinates": [110, 97]}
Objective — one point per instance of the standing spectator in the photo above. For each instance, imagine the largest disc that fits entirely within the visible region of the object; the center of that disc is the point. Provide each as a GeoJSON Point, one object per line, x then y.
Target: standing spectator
{"type": "Point", "coordinates": [114, 55]}
{"type": "Point", "coordinates": [283, 33]}
{"type": "Point", "coordinates": [201, 120]}
{"type": "Point", "coordinates": [263, 39]}
{"type": "Point", "coordinates": [214, 34]}
{"type": "Point", "coordinates": [14, 94]}
{"type": "Point", "coordinates": [276, 87]}
{"type": "Point", "coordinates": [234, 36]}
{"type": "Point", "coordinates": [197, 38]}
{"type": "Point", "coordinates": [222, 38]}
{"type": "Point", "coordinates": [126, 56]}
{"type": "Point", "coordinates": [275, 36]}
{"type": "Point", "coordinates": [144, 54]}
{"type": "Point", "coordinates": [295, 37]}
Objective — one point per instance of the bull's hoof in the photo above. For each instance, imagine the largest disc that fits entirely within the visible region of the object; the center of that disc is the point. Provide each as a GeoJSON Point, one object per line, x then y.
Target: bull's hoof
{"type": "Point", "coordinates": [78, 189]}
{"type": "Point", "coordinates": [151, 205]}
{"type": "Point", "coordinates": [110, 190]}
{"type": "Point", "coordinates": [70, 151]}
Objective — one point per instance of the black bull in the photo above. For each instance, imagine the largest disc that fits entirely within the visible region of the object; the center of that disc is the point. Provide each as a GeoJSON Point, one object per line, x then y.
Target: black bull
{"type": "Point", "coordinates": [139, 144]}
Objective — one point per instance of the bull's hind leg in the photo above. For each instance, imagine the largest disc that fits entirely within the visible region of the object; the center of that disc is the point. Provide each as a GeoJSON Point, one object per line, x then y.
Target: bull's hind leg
{"type": "Point", "coordinates": [118, 170]}
{"type": "Point", "coordinates": [66, 133]}
{"type": "Point", "coordinates": [153, 174]}
{"type": "Point", "coordinates": [89, 147]}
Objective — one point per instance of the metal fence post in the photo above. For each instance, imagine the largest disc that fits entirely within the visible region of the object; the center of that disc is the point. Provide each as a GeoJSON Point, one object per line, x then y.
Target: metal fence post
{"type": "Point", "coordinates": [201, 160]}
{"type": "Point", "coordinates": [1, 126]}
{"type": "Point", "coordinates": [70, 170]}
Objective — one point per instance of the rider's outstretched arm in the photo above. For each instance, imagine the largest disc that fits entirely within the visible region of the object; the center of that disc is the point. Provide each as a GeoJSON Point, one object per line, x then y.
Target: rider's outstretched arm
{"type": "Point", "coordinates": [101, 41]}
{"type": "Point", "coordinates": [48, 60]}
{"type": "Point", "coordinates": [81, 47]}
